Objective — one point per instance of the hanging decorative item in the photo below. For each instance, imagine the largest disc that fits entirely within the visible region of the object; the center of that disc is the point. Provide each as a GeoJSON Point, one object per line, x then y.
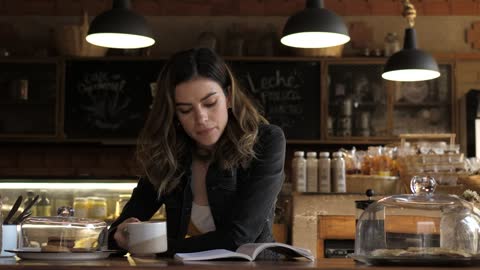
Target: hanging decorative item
{"type": "Point", "coordinates": [410, 64]}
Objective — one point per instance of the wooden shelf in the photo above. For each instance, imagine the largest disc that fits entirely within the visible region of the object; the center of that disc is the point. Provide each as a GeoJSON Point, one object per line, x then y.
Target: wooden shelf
{"type": "Point", "coordinates": [423, 104]}
{"type": "Point", "coordinates": [26, 103]}
{"type": "Point", "coordinates": [319, 103]}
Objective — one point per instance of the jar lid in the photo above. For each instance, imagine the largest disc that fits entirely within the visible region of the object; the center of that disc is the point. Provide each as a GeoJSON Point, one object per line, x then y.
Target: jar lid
{"type": "Point", "coordinates": [64, 219]}
{"type": "Point", "coordinates": [324, 154]}
{"type": "Point", "coordinates": [423, 188]}
{"type": "Point", "coordinates": [311, 154]}
{"type": "Point", "coordinates": [299, 153]}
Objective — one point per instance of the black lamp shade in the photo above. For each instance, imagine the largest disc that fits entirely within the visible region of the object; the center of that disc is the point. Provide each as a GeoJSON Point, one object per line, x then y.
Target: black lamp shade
{"type": "Point", "coordinates": [410, 64]}
{"type": "Point", "coordinates": [314, 27]}
{"type": "Point", "coordinates": [120, 28]}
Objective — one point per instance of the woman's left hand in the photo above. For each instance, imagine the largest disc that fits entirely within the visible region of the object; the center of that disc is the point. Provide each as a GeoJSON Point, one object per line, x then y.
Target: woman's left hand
{"type": "Point", "coordinates": [121, 235]}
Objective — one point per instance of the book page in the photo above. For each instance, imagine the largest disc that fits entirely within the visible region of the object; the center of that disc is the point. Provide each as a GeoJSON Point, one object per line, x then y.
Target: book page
{"type": "Point", "coordinates": [210, 255]}
{"type": "Point", "coordinates": [253, 249]}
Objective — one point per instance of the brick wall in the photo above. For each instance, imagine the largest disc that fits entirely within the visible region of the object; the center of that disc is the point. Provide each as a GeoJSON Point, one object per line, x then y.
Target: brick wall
{"type": "Point", "coordinates": [237, 7]}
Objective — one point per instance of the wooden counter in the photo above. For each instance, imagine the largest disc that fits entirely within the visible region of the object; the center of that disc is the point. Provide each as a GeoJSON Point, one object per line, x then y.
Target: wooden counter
{"type": "Point", "coordinates": [129, 263]}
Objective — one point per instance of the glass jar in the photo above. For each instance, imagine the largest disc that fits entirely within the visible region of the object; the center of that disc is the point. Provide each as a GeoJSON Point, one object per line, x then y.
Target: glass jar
{"type": "Point", "coordinates": [97, 207]}
{"type": "Point", "coordinates": [120, 203]}
{"type": "Point", "coordinates": [80, 205]}
{"type": "Point", "coordinates": [391, 44]}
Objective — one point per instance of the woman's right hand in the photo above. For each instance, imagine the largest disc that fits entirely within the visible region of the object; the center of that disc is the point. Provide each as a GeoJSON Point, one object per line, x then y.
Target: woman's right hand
{"type": "Point", "coordinates": [121, 234]}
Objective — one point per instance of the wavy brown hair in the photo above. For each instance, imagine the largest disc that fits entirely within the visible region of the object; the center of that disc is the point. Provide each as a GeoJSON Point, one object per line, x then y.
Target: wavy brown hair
{"type": "Point", "coordinates": [163, 146]}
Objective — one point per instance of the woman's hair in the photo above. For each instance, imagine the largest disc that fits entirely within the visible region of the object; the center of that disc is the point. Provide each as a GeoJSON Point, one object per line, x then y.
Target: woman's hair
{"type": "Point", "coordinates": [163, 146]}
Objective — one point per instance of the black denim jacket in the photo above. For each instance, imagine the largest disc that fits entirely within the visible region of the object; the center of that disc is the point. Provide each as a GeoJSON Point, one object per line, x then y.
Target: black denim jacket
{"type": "Point", "coordinates": [242, 201]}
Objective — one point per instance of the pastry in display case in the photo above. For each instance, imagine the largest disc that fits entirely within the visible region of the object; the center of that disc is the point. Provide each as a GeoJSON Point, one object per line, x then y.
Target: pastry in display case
{"type": "Point", "coordinates": [62, 237]}
{"type": "Point", "coordinates": [63, 233]}
{"type": "Point", "coordinates": [422, 228]}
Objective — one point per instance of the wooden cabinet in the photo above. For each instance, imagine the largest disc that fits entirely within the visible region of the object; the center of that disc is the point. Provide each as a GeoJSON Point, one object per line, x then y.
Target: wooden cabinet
{"type": "Point", "coordinates": [315, 100]}
{"type": "Point", "coordinates": [360, 106]}
{"type": "Point", "coordinates": [333, 227]}
{"type": "Point", "coordinates": [29, 98]}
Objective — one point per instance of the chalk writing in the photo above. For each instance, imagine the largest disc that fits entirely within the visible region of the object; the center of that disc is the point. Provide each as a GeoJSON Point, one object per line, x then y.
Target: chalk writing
{"type": "Point", "coordinates": [108, 99]}
{"type": "Point", "coordinates": [107, 105]}
{"type": "Point", "coordinates": [286, 91]}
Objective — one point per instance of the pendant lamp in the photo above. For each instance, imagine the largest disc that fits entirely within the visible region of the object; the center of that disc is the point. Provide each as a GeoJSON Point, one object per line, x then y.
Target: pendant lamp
{"type": "Point", "coordinates": [410, 64]}
{"type": "Point", "coordinates": [120, 28]}
{"type": "Point", "coordinates": [314, 27]}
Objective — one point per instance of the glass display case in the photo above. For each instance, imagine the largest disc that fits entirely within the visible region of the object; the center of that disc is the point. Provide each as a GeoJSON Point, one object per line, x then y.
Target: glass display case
{"type": "Point", "coordinates": [418, 228]}
{"type": "Point", "coordinates": [101, 199]}
{"type": "Point", "coordinates": [63, 233]}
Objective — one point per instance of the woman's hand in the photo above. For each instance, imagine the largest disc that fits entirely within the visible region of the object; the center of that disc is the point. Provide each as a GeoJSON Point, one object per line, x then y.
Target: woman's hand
{"type": "Point", "coordinates": [121, 234]}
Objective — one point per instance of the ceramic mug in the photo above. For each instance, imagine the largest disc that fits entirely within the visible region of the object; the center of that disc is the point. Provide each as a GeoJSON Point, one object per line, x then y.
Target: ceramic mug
{"type": "Point", "coordinates": [9, 240]}
{"type": "Point", "coordinates": [147, 237]}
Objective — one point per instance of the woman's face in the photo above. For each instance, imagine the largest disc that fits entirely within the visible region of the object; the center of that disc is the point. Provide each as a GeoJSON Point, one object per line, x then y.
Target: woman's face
{"type": "Point", "coordinates": [201, 107]}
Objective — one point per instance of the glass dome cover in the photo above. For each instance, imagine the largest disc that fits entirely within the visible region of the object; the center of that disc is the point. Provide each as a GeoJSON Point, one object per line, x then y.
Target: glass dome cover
{"type": "Point", "coordinates": [63, 233]}
{"type": "Point", "coordinates": [422, 225]}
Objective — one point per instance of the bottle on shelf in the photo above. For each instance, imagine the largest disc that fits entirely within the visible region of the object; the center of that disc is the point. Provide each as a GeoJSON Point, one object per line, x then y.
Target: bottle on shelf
{"type": "Point", "coordinates": [44, 207]}
{"type": "Point", "coordinates": [343, 127]}
{"type": "Point", "coordinates": [299, 171]}
{"type": "Point", "coordinates": [324, 167]}
{"type": "Point", "coordinates": [338, 173]}
{"type": "Point", "coordinates": [312, 172]}
{"type": "Point", "coordinates": [80, 205]}
{"type": "Point", "coordinates": [28, 200]}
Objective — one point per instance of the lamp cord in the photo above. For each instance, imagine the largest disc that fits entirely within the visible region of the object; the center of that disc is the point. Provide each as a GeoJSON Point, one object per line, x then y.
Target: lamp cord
{"type": "Point", "coordinates": [409, 12]}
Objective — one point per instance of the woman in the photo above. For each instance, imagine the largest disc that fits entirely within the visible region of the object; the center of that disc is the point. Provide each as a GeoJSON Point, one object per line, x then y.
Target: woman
{"type": "Point", "coordinates": [209, 156]}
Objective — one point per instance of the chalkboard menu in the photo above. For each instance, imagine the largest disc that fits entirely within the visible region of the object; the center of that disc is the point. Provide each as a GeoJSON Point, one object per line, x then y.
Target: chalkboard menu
{"type": "Point", "coordinates": [108, 99]}
{"type": "Point", "coordinates": [287, 92]}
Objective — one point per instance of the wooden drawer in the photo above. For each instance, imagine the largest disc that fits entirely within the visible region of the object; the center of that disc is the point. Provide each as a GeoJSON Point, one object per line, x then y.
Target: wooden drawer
{"type": "Point", "coordinates": [333, 227]}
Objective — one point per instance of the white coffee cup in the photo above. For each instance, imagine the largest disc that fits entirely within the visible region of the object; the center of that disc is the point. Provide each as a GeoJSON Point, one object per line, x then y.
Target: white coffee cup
{"type": "Point", "coordinates": [9, 240]}
{"type": "Point", "coordinates": [147, 237]}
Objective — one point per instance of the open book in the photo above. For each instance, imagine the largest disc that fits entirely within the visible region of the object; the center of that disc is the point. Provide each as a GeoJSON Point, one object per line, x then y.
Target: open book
{"type": "Point", "coordinates": [246, 251]}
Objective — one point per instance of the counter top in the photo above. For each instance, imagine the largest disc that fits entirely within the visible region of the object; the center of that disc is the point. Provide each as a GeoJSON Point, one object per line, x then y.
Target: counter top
{"type": "Point", "coordinates": [131, 263]}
